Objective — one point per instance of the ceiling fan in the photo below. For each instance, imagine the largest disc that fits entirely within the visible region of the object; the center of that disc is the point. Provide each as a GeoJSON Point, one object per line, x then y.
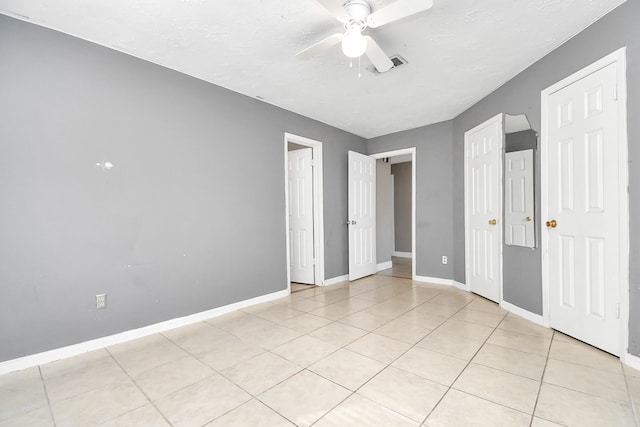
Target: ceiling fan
{"type": "Point", "coordinates": [356, 15]}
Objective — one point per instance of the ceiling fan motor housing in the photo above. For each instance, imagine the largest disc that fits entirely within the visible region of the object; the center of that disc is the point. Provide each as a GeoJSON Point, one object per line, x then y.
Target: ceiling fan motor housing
{"type": "Point", "coordinates": [358, 11]}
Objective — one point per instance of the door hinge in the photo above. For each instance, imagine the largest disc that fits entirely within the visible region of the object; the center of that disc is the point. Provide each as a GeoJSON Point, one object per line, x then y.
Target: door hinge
{"type": "Point", "coordinates": [313, 162]}
{"type": "Point", "coordinates": [617, 310]}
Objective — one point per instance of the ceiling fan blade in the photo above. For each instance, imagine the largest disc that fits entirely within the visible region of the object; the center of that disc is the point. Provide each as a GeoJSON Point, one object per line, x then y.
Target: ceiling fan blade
{"type": "Point", "coordinates": [377, 56]}
{"type": "Point", "coordinates": [335, 8]}
{"type": "Point", "coordinates": [320, 46]}
{"type": "Point", "coordinates": [398, 10]}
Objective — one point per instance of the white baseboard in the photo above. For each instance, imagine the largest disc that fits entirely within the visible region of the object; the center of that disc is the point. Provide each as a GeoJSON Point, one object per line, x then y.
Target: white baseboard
{"type": "Point", "coordinates": [434, 280]}
{"type": "Point", "coordinates": [461, 286]}
{"type": "Point", "coordinates": [335, 280]}
{"type": "Point", "coordinates": [403, 254]}
{"type": "Point", "coordinates": [631, 361]}
{"type": "Point", "coordinates": [384, 266]}
{"type": "Point", "coordinates": [98, 343]}
{"type": "Point", "coordinates": [535, 318]}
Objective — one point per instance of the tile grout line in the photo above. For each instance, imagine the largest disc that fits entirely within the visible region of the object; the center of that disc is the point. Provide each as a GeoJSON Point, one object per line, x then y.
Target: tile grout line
{"type": "Point", "coordinates": [354, 392]}
{"type": "Point", "coordinates": [338, 349]}
{"type": "Point", "coordinates": [544, 370]}
{"type": "Point", "coordinates": [267, 350]}
{"type": "Point", "coordinates": [586, 393]}
{"type": "Point", "coordinates": [337, 404]}
{"type": "Point", "coordinates": [465, 367]}
{"type": "Point", "coordinates": [631, 401]}
{"type": "Point", "coordinates": [451, 317]}
{"type": "Point", "coordinates": [46, 393]}
{"type": "Point", "coordinates": [141, 391]}
{"type": "Point", "coordinates": [408, 349]}
{"type": "Point", "coordinates": [344, 347]}
{"type": "Point", "coordinates": [215, 372]}
{"type": "Point", "coordinates": [338, 321]}
{"type": "Point", "coordinates": [219, 372]}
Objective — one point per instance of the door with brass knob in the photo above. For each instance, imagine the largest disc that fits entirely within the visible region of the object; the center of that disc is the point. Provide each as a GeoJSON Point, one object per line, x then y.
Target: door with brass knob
{"type": "Point", "coordinates": [483, 208]}
{"type": "Point", "coordinates": [583, 179]}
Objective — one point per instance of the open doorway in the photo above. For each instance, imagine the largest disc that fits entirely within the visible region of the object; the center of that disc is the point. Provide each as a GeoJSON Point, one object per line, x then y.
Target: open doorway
{"type": "Point", "coordinates": [304, 223]}
{"type": "Point", "coordinates": [395, 213]}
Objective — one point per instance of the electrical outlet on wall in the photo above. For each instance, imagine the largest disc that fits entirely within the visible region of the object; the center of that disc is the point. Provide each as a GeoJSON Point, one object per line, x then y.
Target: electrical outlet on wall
{"type": "Point", "coordinates": [101, 301]}
{"type": "Point", "coordinates": [444, 259]}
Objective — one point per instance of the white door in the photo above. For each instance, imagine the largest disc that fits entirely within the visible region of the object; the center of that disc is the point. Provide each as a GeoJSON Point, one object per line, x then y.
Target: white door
{"type": "Point", "coordinates": [518, 198]}
{"type": "Point", "coordinates": [301, 215]}
{"type": "Point", "coordinates": [362, 215]}
{"type": "Point", "coordinates": [483, 208]}
{"type": "Point", "coordinates": [582, 216]}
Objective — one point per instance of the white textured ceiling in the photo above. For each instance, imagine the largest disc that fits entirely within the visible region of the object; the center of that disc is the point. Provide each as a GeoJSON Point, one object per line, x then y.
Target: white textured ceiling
{"type": "Point", "coordinates": [458, 52]}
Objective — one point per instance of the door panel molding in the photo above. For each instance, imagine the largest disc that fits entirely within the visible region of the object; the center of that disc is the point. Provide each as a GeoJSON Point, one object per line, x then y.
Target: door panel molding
{"type": "Point", "coordinates": [519, 198]}
{"type": "Point", "coordinates": [484, 239]}
{"type": "Point", "coordinates": [301, 267]}
{"type": "Point", "coordinates": [361, 222]}
{"type": "Point", "coordinates": [566, 116]}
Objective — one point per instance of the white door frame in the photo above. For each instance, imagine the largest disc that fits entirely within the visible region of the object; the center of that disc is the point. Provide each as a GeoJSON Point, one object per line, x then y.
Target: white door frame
{"type": "Point", "coordinates": [497, 118]}
{"type": "Point", "coordinates": [401, 152]}
{"type": "Point", "coordinates": [618, 57]}
{"type": "Point", "coordinates": [318, 203]}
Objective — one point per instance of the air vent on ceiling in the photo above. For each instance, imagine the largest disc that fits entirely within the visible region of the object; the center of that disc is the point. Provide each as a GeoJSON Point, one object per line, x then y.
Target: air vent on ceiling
{"type": "Point", "coordinates": [398, 61]}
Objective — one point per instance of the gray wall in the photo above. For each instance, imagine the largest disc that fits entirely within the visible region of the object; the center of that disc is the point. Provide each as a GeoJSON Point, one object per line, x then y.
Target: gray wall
{"type": "Point", "coordinates": [523, 140]}
{"type": "Point", "coordinates": [402, 205]}
{"type": "Point", "coordinates": [522, 95]}
{"type": "Point", "coordinates": [162, 233]}
{"type": "Point", "coordinates": [434, 188]}
{"type": "Point", "coordinates": [384, 212]}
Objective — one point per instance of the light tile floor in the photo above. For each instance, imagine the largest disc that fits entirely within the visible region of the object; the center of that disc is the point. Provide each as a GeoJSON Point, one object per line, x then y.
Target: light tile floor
{"type": "Point", "coordinates": [297, 287]}
{"type": "Point", "coordinates": [400, 267]}
{"type": "Point", "coordinates": [380, 351]}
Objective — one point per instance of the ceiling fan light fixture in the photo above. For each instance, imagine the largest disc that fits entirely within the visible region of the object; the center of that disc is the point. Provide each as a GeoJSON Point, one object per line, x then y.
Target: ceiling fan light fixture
{"type": "Point", "coordinates": [354, 44]}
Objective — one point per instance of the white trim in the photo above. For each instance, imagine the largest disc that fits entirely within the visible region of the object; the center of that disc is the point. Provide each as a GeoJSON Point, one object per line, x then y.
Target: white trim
{"type": "Point", "coordinates": [497, 118]}
{"type": "Point", "coordinates": [401, 152]}
{"type": "Point", "coordinates": [336, 280]}
{"type": "Point", "coordinates": [384, 265]}
{"type": "Point", "coordinates": [96, 344]}
{"type": "Point", "coordinates": [535, 318]}
{"type": "Point", "coordinates": [461, 286]}
{"type": "Point", "coordinates": [393, 212]}
{"type": "Point", "coordinates": [434, 280]}
{"type": "Point", "coordinates": [318, 205]}
{"type": "Point", "coordinates": [402, 254]}
{"type": "Point", "coordinates": [631, 360]}
{"type": "Point", "coordinates": [618, 57]}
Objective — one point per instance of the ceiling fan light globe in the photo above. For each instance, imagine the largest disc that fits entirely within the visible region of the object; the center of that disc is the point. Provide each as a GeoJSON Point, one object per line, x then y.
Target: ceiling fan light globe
{"type": "Point", "coordinates": [354, 44]}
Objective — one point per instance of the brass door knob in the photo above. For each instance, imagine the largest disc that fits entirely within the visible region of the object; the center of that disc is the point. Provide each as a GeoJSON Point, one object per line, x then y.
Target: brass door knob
{"type": "Point", "coordinates": [493, 222]}
{"type": "Point", "coordinates": [528, 219]}
{"type": "Point", "coordinates": [553, 223]}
